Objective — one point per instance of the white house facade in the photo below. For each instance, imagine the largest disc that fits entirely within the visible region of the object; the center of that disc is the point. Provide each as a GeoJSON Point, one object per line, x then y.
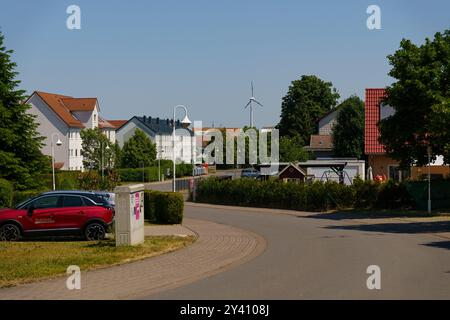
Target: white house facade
{"type": "Point", "coordinates": [63, 117]}
{"type": "Point", "coordinates": [160, 132]}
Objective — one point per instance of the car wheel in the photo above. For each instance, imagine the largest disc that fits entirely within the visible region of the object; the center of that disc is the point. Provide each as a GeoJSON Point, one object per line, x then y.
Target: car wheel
{"type": "Point", "coordinates": [94, 231]}
{"type": "Point", "coordinates": [10, 232]}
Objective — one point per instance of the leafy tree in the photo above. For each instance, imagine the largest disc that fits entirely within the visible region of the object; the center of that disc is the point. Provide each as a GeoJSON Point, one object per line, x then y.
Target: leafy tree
{"type": "Point", "coordinates": [21, 159]}
{"type": "Point", "coordinates": [421, 99]}
{"type": "Point", "coordinates": [348, 133]}
{"type": "Point", "coordinates": [307, 100]}
{"type": "Point", "coordinates": [291, 149]}
{"type": "Point", "coordinates": [138, 150]}
{"type": "Point", "coordinates": [96, 149]}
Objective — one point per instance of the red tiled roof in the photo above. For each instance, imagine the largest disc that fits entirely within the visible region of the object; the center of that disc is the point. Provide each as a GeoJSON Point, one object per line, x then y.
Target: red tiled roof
{"type": "Point", "coordinates": [320, 142]}
{"type": "Point", "coordinates": [80, 104]}
{"type": "Point", "coordinates": [55, 102]}
{"type": "Point", "coordinates": [104, 124]}
{"type": "Point", "coordinates": [371, 134]}
{"type": "Point", "coordinates": [117, 123]}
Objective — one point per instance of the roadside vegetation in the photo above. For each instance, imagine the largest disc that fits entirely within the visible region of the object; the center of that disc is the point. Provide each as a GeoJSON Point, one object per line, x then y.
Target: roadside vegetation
{"type": "Point", "coordinates": [22, 262]}
{"type": "Point", "coordinates": [322, 196]}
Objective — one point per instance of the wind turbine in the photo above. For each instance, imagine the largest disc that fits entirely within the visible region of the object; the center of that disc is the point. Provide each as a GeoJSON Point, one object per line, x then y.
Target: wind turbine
{"type": "Point", "coordinates": [250, 103]}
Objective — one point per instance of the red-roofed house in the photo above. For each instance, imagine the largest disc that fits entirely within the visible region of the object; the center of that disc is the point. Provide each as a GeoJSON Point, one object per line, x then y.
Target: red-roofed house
{"type": "Point", "coordinates": [375, 111]}
{"type": "Point", "coordinates": [63, 117]}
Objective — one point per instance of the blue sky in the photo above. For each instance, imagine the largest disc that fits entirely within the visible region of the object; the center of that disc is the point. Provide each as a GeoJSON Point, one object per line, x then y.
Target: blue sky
{"type": "Point", "coordinates": [144, 57]}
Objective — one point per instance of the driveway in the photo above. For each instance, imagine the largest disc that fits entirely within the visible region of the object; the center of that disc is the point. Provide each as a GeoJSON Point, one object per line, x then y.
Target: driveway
{"type": "Point", "coordinates": [311, 256]}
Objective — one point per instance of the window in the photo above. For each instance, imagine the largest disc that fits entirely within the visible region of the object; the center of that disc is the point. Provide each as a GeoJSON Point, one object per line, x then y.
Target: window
{"type": "Point", "coordinates": [73, 201]}
{"type": "Point", "coordinates": [95, 117]}
{"type": "Point", "coordinates": [44, 202]}
{"type": "Point", "coordinates": [76, 152]}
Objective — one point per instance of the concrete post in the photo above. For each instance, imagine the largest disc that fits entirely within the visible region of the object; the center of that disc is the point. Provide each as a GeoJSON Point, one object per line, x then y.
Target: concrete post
{"type": "Point", "coordinates": [129, 218]}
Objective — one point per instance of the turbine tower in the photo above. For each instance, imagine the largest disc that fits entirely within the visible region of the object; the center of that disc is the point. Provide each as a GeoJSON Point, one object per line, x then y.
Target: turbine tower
{"type": "Point", "coordinates": [250, 103]}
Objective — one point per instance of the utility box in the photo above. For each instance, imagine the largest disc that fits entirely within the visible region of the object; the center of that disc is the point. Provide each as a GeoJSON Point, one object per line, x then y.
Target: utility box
{"type": "Point", "coordinates": [129, 217]}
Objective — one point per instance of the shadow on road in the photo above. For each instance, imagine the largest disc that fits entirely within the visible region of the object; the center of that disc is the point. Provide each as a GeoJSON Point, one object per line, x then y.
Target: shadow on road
{"type": "Point", "coordinates": [381, 214]}
{"type": "Point", "coordinates": [439, 244]}
{"type": "Point", "coordinates": [413, 227]}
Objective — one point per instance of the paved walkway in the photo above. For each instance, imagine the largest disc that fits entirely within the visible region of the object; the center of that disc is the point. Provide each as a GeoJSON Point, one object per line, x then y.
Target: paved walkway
{"type": "Point", "coordinates": [168, 230]}
{"type": "Point", "coordinates": [218, 248]}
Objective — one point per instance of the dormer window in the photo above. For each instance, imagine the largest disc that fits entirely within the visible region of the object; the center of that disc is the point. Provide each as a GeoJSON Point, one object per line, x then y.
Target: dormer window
{"type": "Point", "coordinates": [95, 118]}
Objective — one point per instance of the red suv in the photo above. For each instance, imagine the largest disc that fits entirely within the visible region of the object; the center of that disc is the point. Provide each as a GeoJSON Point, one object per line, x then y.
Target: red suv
{"type": "Point", "coordinates": [58, 213]}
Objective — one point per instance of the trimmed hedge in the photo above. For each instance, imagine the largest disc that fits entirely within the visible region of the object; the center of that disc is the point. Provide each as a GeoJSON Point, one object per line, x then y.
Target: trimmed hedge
{"type": "Point", "coordinates": [318, 196]}
{"type": "Point", "coordinates": [163, 207]}
{"type": "Point", "coordinates": [6, 193]}
{"type": "Point", "coordinates": [151, 173]}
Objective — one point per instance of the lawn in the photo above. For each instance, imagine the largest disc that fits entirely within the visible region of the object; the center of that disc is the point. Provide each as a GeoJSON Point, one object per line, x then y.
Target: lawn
{"type": "Point", "coordinates": [22, 262]}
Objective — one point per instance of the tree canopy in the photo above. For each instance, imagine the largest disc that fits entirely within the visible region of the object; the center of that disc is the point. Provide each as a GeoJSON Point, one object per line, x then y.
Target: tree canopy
{"type": "Point", "coordinates": [348, 132]}
{"type": "Point", "coordinates": [21, 158]}
{"type": "Point", "coordinates": [97, 149]}
{"type": "Point", "coordinates": [421, 99]}
{"type": "Point", "coordinates": [291, 149]}
{"type": "Point", "coordinates": [138, 151]}
{"type": "Point", "coordinates": [306, 101]}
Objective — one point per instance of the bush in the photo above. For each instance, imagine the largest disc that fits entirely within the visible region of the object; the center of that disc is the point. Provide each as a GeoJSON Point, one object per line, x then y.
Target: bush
{"type": "Point", "coordinates": [150, 174]}
{"type": "Point", "coordinates": [366, 193]}
{"type": "Point", "coordinates": [20, 196]}
{"type": "Point", "coordinates": [6, 193]}
{"type": "Point", "coordinates": [393, 196]}
{"type": "Point", "coordinates": [89, 180]}
{"type": "Point", "coordinates": [163, 207]}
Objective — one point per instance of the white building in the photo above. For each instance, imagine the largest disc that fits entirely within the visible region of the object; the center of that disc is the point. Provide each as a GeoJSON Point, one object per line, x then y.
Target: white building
{"type": "Point", "coordinates": [160, 132]}
{"type": "Point", "coordinates": [63, 117]}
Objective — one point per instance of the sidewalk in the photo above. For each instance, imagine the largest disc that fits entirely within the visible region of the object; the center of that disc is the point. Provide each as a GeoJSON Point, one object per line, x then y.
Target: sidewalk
{"type": "Point", "coordinates": [217, 249]}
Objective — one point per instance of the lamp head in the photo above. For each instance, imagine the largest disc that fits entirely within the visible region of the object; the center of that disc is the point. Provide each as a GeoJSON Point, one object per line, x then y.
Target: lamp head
{"type": "Point", "coordinates": [59, 143]}
{"type": "Point", "coordinates": [185, 122]}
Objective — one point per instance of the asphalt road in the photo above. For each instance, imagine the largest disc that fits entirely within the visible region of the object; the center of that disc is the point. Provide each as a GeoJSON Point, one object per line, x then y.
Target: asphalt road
{"type": "Point", "coordinates": [327, 258]}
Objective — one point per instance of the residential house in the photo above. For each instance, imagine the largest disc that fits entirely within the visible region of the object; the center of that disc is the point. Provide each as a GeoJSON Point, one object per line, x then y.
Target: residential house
{"type": "Point", "coordinates": [160, 132]}
{"type": "Point", "coordinates": [63, 117]}
{"type": "Point", "coordinates": [321, 144]}
{"type": "Point", "coordinates": [378, 161]}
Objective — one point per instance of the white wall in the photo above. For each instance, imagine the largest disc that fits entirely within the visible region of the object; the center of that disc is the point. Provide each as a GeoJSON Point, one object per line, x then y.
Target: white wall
{"type": "Point", "coordinates": [49, 123]}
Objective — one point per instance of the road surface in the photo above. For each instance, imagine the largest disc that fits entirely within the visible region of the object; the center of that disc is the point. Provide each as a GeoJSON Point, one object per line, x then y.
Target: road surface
{"type": "Point", "coordinates": [317, 257]}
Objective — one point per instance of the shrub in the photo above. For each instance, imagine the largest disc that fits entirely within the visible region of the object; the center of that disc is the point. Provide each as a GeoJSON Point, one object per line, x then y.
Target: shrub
{"type": "Point", "coordinates": [110, 181]}
{"type": "Point", "coordinates": [20, 196]}
{"type": "Point", "coordinates": [393, 196]}
{"type": "Point", "coordinates": [163, 207]}
{"type": "Point", "coordinates": [6, 193]}
{"type": "Point", "coordinates": [89, 180]}
{"type": "Point", "coordinates": [366, 193]}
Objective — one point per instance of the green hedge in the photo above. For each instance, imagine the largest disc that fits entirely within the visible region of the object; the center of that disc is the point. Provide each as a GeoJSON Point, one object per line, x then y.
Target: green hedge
{"type": "Point", "coordinates": [6, 193]}
{"type": "Point", "coordinates": [318, 196]}
{"type": "Point", "coordinates": [20, 196]}
{"type": "Point", "coordinates": [163, 207]}
{"type": "Point", "coordinates": [151, 173]}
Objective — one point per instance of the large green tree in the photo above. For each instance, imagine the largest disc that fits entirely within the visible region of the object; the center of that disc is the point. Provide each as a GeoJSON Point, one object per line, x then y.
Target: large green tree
{"type": "Point", "coordinates": [97, 149]}
{"type": "Point", "coordinates": [139, 150]}
{"type": "Point", "coordinates": [421, 99]}
{"type": "Point", "coordinates": [20, 157]}
{"type": "Point", "coordinates": [307, 100]}
{"type": "Point", "coordinates": [348, 132]}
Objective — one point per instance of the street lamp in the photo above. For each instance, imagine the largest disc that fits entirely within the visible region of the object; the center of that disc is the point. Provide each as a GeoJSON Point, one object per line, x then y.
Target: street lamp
{"type": "Point", "coordinates": [429, 178]}
{"type": "Point", "coordinates": [107, 148]}
{"type": "Point", "coordinates": [58, 143]}
{"type": "Point", "coordinates": [185, 123]}
{"type": "Point", "coordinates": [161, 150]}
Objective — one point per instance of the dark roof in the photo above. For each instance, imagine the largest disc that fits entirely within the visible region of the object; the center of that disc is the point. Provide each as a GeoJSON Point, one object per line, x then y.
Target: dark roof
{"type": "Point", "coordinates": [159, 125]}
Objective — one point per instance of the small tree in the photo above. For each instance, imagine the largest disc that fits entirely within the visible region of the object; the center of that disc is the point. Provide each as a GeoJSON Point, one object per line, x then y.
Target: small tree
{"type": "Point", "coordinates": [291, 149]}
{"type": "Point", "coordinates": [96, 149]}
{"type": "Point", "coordinates": [138, 150]}
{"type": "Point", "coordinates": [348, 133]}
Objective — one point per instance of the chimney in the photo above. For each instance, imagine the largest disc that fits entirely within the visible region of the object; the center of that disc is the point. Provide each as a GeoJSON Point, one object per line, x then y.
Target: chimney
{"type": "Point", "coordinates": [157, 120]}
{"type": "Point", "coordinates": [144, 119]}
{"type": "Point", "coordinates": [149, 119]}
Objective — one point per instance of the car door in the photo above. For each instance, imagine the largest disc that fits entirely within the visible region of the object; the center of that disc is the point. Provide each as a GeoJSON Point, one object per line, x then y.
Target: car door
{"type": "Point", "coordinates": [72, 213]}
{"type": "Point", "coordinates": [42, 215]}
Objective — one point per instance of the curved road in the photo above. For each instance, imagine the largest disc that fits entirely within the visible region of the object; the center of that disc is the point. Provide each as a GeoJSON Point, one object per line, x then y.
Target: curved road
{"type": "Point", "coordinates": [326, 257]}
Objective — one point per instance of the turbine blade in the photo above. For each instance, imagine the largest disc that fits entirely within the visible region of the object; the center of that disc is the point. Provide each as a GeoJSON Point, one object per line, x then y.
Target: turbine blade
{"type": "Point", "coordinates": [252, 89]}
{"type": "Point", "coordinates": [258, 103]}
{"type": "Point", "coordinates": [249, 103]}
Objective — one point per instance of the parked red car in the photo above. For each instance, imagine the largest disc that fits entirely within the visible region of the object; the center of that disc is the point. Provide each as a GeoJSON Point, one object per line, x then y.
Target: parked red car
{"type": "Point", "coordinates": [58, 213]}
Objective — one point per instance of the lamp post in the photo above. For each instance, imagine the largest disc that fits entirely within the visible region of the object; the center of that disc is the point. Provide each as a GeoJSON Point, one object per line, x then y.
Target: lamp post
{"type": "Point", "coordinates": [185, 123]}
{"type": "Point", "coordinates": [161, 150]}
{"type": "Point", "coordinates": [58, 143]}
{"type": "Point", "coordinates": [107, 148]}
{"type": "Point", "coordinates": [429, 178]}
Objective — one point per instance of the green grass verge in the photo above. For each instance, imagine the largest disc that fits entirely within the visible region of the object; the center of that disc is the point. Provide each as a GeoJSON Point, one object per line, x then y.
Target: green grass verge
{"type": "Point", "coordinates": [22, 262]}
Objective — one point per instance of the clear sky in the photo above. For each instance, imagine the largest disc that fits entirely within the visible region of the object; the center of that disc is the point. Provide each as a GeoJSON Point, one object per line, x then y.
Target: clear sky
{"type": "Point", "coordinates": [144, 57]}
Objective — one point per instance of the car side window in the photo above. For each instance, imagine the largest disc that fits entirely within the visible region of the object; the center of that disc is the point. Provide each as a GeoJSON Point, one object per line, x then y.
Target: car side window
{"type": "Point", "coordinates": [73, 201]}
{"type": "Point", "coordinates": [45, 202]}
{"type": "Point", "coordinates": [88, 202]}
